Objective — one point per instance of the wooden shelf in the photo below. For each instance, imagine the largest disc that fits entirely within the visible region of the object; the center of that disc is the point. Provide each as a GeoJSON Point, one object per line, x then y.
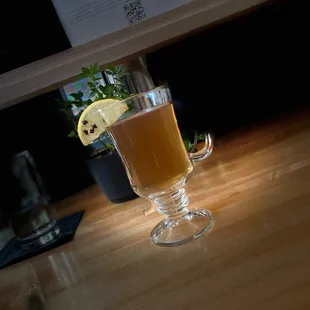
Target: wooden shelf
{"type": "Point", "coordinates": [51, 72]}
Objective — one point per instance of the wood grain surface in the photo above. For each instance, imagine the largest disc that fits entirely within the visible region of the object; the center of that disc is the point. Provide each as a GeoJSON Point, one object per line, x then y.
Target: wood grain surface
{"type": "Point", "coordinates": [257, 183]}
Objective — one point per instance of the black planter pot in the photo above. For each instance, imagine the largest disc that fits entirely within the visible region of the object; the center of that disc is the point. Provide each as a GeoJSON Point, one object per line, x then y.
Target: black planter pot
{"type": "Point", "coordinates": [109, 173]}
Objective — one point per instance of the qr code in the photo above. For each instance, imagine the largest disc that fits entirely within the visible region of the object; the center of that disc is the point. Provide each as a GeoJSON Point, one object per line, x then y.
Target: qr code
{"type": "Point", "coordinates": [134, 12]}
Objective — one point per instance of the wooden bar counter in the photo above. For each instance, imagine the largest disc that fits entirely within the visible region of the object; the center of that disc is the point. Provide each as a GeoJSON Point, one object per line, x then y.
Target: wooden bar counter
{"type": "Point", "coordinates": [257, 256]}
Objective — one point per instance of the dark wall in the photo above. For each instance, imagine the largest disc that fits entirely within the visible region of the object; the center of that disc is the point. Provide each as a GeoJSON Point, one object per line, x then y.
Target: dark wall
{"type": "Point", "coordinates": [30, 30]}
{"type": "Point", "coordinates": [245, 69]}
{"type": "Point", "coordinates": [38, 126]}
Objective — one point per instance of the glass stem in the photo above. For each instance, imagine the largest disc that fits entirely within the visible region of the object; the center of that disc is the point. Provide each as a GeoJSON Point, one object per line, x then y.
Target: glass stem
{"type": "Point", "coordinates": [172, 204]}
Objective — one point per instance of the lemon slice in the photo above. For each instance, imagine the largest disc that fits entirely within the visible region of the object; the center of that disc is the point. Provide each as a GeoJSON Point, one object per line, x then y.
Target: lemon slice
{"type": "Point", "coordinates": [97, 116]}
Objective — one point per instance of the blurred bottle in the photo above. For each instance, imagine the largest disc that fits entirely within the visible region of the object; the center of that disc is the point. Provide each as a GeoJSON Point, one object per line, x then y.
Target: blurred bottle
{"type": "Point", "coordinates": [29, 218]}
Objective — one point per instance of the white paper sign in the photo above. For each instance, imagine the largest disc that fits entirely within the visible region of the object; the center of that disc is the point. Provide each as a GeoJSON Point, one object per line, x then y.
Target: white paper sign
{"type": "Point", "coordinates": [85, 20]}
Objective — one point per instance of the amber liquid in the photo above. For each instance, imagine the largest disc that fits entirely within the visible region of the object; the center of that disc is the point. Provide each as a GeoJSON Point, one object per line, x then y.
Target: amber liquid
{"type": "Point", "coordinates": [152, 149]}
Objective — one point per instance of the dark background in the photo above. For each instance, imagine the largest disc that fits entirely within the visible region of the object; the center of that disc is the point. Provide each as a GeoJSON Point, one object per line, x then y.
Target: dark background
{"type": "Point", "coordinates": [30, 30]}
{"type": "Point", "coordinates": [242, 71]}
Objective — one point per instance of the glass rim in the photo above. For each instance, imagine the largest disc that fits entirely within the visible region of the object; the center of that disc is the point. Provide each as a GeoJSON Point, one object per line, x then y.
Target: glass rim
{"type": "Point", "coordinates": [143, 94]}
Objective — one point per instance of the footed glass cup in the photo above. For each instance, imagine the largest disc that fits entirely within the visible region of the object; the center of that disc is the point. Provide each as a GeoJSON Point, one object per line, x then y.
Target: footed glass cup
{"type": "Point", "coordinates": [149, 142]}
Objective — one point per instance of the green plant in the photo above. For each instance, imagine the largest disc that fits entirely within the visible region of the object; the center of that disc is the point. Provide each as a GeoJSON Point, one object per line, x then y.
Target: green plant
{"type": "Point", "coordinates": [97, 91]}
{"type": "Point", "coordinates": [191, 146]}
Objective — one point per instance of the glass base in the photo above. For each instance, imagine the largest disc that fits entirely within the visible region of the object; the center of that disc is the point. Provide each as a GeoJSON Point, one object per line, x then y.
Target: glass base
{"type": "Point", "coordinates": [191, 225]}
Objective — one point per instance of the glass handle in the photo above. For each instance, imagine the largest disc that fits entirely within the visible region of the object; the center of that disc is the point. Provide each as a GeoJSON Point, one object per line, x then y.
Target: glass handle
{"type": "Point", "coordinates": [205, 151]}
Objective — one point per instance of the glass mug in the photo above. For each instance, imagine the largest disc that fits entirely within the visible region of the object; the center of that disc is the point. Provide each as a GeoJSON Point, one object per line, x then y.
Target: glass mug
{"type": "Point", "coordinates": [150, 145]}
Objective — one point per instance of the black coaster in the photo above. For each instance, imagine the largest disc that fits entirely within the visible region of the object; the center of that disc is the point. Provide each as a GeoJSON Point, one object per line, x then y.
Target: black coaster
{"type": "Point", "coordinates": [14, 253]}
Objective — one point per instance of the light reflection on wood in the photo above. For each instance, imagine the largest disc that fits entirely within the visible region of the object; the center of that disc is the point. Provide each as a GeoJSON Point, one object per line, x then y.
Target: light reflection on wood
{"type": "Point", "coordinates": [256, 257]}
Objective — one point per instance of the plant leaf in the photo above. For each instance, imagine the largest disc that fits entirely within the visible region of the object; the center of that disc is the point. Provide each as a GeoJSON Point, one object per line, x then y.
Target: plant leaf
{"type": "Point", "coordinates": [108, 90]}
{"type": "Point", "coordinates": [93, 94]}
{"type": "Point", "coordinates": [100, 96]}
{"type": "Point", "coordinates": [188, 144]}
{"type": "Point", "coordinates": [85, 71]}
{"type": "Point", "coordinates": [96, 67]}
{"type": "Point", "coordinates": [96, 89]}
{"type": "Point", "coordinates": [118, 69]}
{"type": "Point", "coordinates": [109, 72]}
{"type": "Point", "coordinates": [201, 137]}
{"type": "Point", "coordinates": [91, 69]}
{"type": "Point", "coordinates": [72, 134]}
{"type": "Point", "coordinates": [77, 96]}
{"type": "Point", "coordinates": [79, 103]}
{"type": "Point", "coordinates": [91, 84]}
{"type": "Point", "coordinates": [111, 68]}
